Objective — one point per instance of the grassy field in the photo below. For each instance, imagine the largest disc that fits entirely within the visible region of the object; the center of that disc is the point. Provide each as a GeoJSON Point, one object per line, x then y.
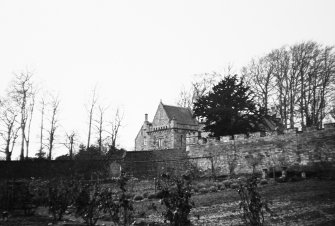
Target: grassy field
{"type": "Point", "coordinates": [309, 202]}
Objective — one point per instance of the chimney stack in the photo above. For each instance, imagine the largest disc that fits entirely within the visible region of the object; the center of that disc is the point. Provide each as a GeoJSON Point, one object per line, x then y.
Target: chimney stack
{"type": "Point", "coordinates": [146, 117]}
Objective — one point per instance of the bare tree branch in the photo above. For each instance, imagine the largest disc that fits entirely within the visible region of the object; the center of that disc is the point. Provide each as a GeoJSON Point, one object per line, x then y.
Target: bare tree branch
{"type": "Point", "coordinates": [54, 104]}
{"type": "Point", "coordinates": [22, 93]}
{"type": "Point", "coordinates": [93, 102]}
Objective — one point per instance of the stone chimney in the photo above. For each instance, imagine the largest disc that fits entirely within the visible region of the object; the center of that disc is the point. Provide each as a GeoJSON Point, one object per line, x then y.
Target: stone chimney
{"type": "Point", "coordinates": [145, 117]}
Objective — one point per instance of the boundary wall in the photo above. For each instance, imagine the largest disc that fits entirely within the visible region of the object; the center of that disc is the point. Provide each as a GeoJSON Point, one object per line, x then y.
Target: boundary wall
{"type": "Point", "coordinates": [264, 151]}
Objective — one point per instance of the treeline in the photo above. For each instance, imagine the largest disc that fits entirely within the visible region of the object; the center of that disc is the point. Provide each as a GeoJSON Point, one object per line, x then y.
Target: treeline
{"type": "Point", "coordinates": [24, 101]}
{"type": "Point", "coordinates": [296, 82]}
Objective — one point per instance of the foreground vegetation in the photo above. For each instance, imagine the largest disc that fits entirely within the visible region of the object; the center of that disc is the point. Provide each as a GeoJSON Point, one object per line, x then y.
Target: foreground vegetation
{"type": "Point", "coordinates": [308, 202]}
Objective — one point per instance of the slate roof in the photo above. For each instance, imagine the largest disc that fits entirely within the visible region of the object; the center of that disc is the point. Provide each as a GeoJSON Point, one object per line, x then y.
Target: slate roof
{"type": "Point", "coordinates": [181, 115]}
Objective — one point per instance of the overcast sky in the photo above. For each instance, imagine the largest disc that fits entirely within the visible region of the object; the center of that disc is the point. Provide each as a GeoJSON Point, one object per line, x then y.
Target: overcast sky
{"type": "Point", "coordinates": [138, 52]}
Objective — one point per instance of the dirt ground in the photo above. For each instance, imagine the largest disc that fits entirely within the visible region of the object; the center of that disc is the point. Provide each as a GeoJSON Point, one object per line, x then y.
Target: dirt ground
{"type": "Point", "coordinates": [310, 202]}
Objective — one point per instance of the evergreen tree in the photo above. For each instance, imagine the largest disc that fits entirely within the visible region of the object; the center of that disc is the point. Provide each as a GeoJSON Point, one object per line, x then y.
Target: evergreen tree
{"type": "Point", "coordinates": [228, 109]}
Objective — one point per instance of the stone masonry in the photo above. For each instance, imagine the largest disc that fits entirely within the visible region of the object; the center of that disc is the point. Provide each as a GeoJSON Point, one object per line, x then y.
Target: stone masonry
{"type": "Point", "coordinates": [292, 149]}
{"type": "Point", "coordinates": [168, 129]}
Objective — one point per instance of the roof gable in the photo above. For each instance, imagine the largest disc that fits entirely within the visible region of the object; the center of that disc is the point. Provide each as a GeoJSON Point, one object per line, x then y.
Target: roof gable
{"type": "Point", "coordinates": [165, 113]}
{"type": "Point", "coordinates": [160, 118]}
{"type": "Point", "coordinates": [180, 114]}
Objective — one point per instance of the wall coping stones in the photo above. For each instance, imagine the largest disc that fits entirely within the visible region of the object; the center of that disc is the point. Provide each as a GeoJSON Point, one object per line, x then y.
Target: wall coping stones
{"type": "Point", "coordinates": [194, 138]}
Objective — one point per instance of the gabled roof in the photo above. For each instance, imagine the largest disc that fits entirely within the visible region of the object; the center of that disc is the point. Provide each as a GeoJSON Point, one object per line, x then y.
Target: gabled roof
{"type": "Point", "coordinates": [180, 114]}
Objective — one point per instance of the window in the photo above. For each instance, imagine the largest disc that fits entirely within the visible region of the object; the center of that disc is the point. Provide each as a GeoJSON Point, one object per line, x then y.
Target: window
{"type": "Point", "coordinates": [145, 141]}
{"type": "Point", "coordinates": [181, 140]}
{"type": "Point", "coordinates": [160, 142]}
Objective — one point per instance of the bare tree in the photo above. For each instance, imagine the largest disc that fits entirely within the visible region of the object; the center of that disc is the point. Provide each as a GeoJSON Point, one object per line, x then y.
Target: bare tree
{"type": "Point", "coordinates": [53, 124]}
{"type": "Point", "coordinates": [301, 81]}
{"type": "Point", "coordinates": [92, 104]}
{"type": "Point", "coordinates": [41, 153]}
{"type": "Point", "coordinates": [29, 118]}
{"type": "Point", "coordinates": [100, 125]}
{"type": "Point", "coordinates": [114, 127]}
{"type": "Point", "coordinates": [70, 142]}
{"type": "Point", "coordinates": [323, 88]}
{"type": "Point", "coordinates": [259, 75]}
{"type": "Point", "coordinates": [200, 86]}
{"type": "Point", "coordinates": [281, 60]}
{"type": "Point", "coordinates": [23, 94]}
{"type": "Point", "coordinates": [186, 98]}
{"type": "Point", "coordinates": [9, 127]}
{"type": "Point", "coordinates": [314, 66]}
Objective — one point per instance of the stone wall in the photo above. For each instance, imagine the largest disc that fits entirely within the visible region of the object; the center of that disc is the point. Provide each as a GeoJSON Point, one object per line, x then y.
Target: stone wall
{"type": "Point", "coordinates": [150, 164]}
{"type": "Point", "coordinates": [242, 154]}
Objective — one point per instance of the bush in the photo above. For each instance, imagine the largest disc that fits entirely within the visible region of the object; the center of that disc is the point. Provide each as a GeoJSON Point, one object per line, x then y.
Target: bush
{"type": "Point", "coordinates": [234, 186]}
{"type": "Point", "coordinates": [125, 204]}
{"type": "Point", "coordinates": [40, 192]}
{"type": "Point", "coordinates": [152, 196]}
{"type": "Point", "coordinates": [263, 181]}
{"type": "Point", "coordinates": [88, 204]}
{"type": "Point", "coordinates": [222, 186]}
{"type": "Point", "coordinates": [61, 195]}
{"type": "Point", "coordinates": [129, 195]}
{"type": "Point", "coordinates": [145, 194]}
{"type": "Point", "coordinates": [203, 190]}
{"type": "Point", "coordinates": [200, 185]}
{"type": "Point", "coordinates": [176, 198]}
{"type": "Point", "coordinates": [16, 195]}
{"type": "Point", "coordinates": [227, 183]}
{"type": "Point", "coordinates": [195, 189]}
{"type": "Point", "coordinates": [213, 189]}
{"type": "Point", "coordinates": [251, 204]}
{"type": "Point", "coordinates": [159, 194]}
{"type": "Point", "coordinates": [242, 179]}
{"type": "Point", "coordinates": [138, 198]}
{"type": "Point", "coordinates": [93, 201]}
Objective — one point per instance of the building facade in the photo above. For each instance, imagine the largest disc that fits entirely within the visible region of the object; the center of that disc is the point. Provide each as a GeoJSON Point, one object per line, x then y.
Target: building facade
{"type": "Point", "coordinates": [168, 129]}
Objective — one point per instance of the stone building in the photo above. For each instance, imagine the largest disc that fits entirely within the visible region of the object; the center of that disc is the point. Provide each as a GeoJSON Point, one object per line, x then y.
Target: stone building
{"type": "Point", "coordinates": [167, 130]}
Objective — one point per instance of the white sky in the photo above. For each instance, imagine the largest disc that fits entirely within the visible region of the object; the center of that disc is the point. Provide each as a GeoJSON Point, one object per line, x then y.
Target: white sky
{"type": "Point", "coordinates": [138, 52]}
